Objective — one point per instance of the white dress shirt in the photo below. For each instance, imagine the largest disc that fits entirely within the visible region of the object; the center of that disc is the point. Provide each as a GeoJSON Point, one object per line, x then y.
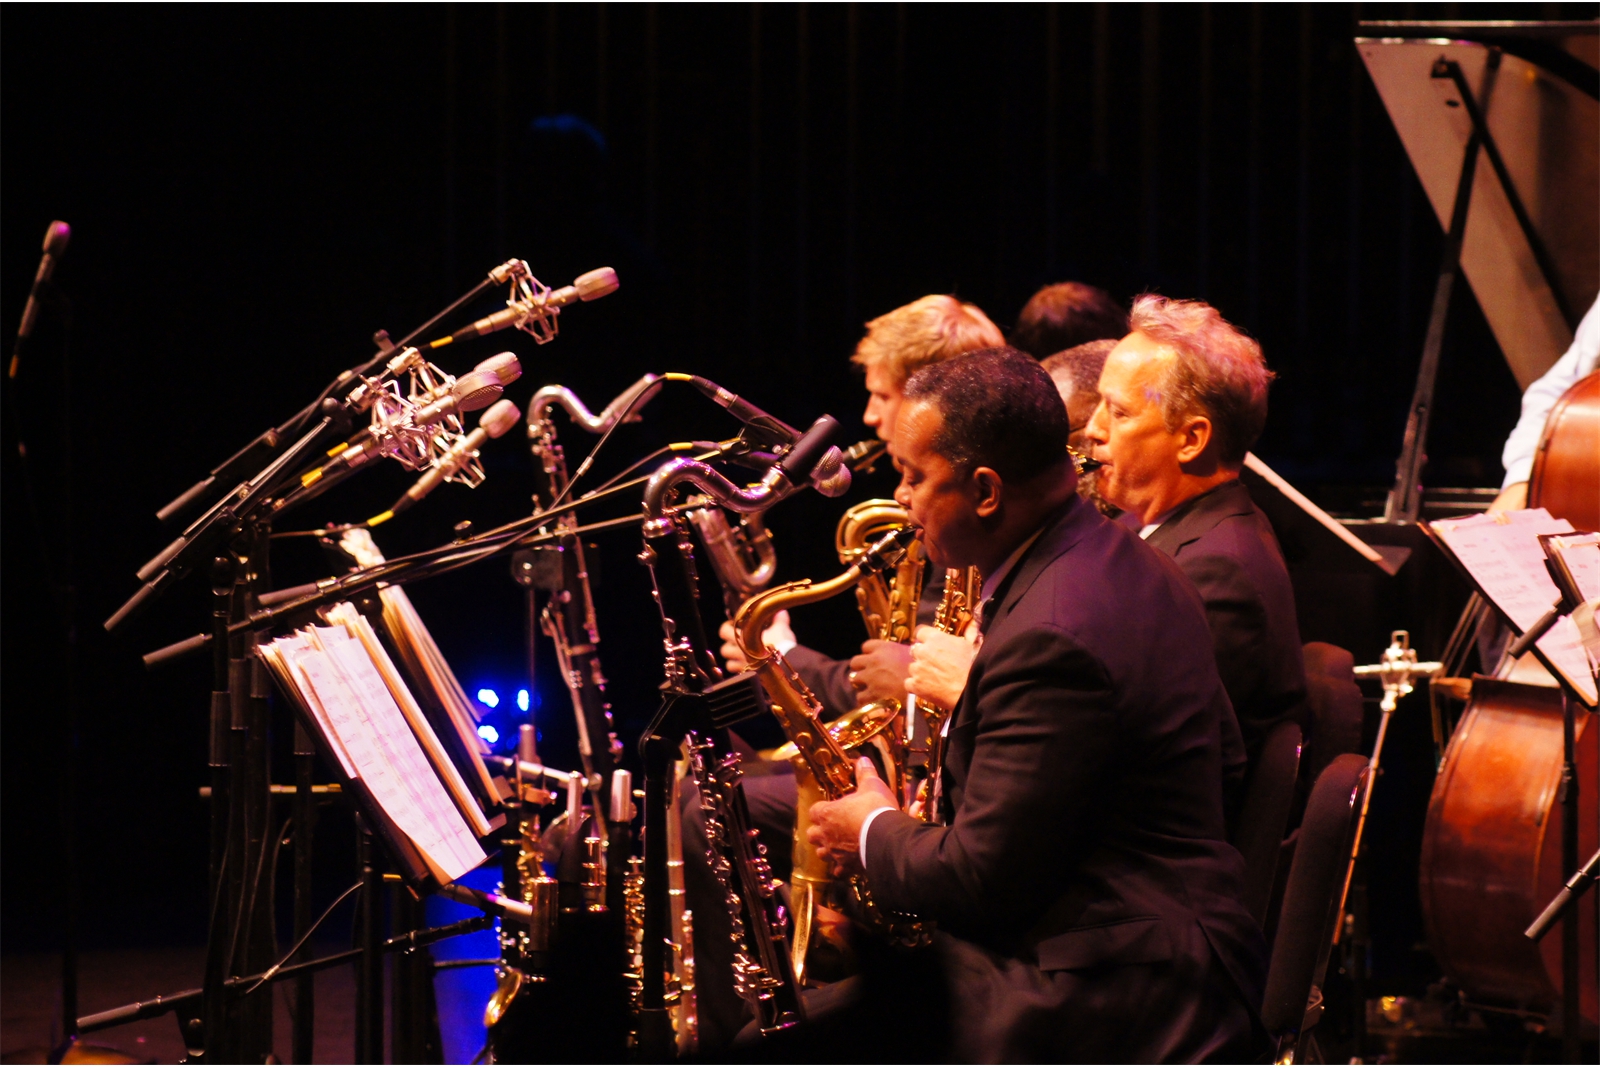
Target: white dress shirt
{"type": "Point", "coordinates": [1577, 363]}
{"type": "Point", "coordinates": [990, 584]}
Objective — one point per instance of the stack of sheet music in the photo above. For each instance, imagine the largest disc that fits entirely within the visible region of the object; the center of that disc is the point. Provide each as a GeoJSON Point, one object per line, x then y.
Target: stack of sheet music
{"type": "Point", "coordinates": [344, 680]}
{"type": "Point", "coordinates": [1503, 557]}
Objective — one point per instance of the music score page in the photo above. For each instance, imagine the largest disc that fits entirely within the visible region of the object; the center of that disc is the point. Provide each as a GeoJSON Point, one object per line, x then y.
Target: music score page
{"type": "Point", "coordinates": [1503, 555]}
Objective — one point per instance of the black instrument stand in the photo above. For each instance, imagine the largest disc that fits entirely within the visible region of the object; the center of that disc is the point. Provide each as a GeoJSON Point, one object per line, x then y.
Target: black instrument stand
{"type": "Point", "coordinates": [1571, 812]}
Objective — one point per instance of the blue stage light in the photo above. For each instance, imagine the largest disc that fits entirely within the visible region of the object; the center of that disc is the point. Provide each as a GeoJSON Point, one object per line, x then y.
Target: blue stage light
{"type": "Point", "coordinates": [522, 699]}
{"type": "Point", "coordinates": [489, 698]}
{"type": "Point", "coordinates": [489, 733]}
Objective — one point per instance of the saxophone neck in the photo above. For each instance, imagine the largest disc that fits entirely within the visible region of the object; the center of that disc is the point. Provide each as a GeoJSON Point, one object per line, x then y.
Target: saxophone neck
{"type": "Point", "coordinates": [753, 617]}
{"type": "Point", "coordinates": [757, 613]}
{"type": "Point", "coordinates": [661, 490]}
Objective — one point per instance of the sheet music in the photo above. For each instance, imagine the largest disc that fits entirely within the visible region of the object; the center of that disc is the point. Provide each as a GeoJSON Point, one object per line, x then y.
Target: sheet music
{"type": "Point", "coordinates": [280, 655]}
{"type": "Point", "coordinates": [346, 616]}
{"type": "Point", "coordinates": [1504, 557]}
{"type": "Point", "coordinates": [1581, 553]}
{"type": "Point", "coordinates": [423, 657]}
{"type": "Point", "coordinates": [343, 687]}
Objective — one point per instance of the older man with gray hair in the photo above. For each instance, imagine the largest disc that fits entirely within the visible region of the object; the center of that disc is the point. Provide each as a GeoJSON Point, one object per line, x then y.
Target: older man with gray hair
{"type": "Point", "coordinates": [1183, 397]}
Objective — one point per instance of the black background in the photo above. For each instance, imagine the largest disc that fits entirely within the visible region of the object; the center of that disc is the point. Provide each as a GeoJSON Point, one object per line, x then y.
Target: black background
{"type": "Point", "coordinates": [253, 191]}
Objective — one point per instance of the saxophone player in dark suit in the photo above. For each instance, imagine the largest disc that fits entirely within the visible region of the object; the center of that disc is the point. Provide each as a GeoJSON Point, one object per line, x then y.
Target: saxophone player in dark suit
{"type": "Point", "coordinates": [1183, 397]}
{"type": "Point", "coordinates": [1086, 899]}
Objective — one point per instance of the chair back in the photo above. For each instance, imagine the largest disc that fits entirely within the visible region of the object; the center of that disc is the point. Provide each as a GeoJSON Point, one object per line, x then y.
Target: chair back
{"type": "Point", "coordinates": [1267, 799]}
{"type": "Point", "coordinates": [1311, 901]}
{"type": "Point", "coordinates": [1336, 711]}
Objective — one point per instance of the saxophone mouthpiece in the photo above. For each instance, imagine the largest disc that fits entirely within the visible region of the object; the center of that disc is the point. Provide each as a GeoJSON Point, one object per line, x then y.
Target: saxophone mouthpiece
{"type": "Point", "coordinates": [887, 550]}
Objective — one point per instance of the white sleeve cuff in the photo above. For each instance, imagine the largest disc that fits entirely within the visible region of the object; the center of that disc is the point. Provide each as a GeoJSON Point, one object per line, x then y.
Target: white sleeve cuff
{"type": "Point", "coordinates": [866, 824]}
{"type": "Point", "coordinates": [784, 647]}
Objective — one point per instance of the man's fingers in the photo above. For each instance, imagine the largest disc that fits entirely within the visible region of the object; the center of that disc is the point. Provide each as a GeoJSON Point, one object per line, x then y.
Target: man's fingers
{"type": "Point", "coordinates": [922, 634]}
{"type": "Point", "coordinates": [872, 644]}
{"type": "Point", "coordinates": [865, 768]}
{"type": "Point", "coordinates": [725, 631]}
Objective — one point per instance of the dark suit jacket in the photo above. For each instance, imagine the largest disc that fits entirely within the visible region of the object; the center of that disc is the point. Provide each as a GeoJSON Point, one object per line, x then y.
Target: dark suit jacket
{"type": "Point", "coordinates": [1226, 547]}
{"type": "Point", "coordinates": [1089, 896]}
{"type": "Point", "coordinates": [829, 678]}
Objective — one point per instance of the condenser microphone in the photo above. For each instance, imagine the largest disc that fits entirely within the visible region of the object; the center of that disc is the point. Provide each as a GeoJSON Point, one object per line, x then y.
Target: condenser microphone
{"type": "Point", "coordinates": [824, 467]}
{"type": "Point", "coordinates": [473, 391]}
{"type": "Point", "coordinates": [476, 389]}
{"type": "Point", "coordinates": [494, 423]}
{"type": "Point", "coordinates": [602, 281]}
{"type": "Point", "coordinates": [55, 246]}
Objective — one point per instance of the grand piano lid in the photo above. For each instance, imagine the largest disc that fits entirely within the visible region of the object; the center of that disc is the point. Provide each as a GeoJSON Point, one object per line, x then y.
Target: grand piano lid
{"type": "Point", "coordinates": [1542, 112]}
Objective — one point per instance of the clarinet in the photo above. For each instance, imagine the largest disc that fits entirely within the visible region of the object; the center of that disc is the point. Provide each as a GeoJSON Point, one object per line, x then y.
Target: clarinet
{"type": "Point", "coordinates": [568, 618]}
{"type": "Point", "coordinates": [697, 702]}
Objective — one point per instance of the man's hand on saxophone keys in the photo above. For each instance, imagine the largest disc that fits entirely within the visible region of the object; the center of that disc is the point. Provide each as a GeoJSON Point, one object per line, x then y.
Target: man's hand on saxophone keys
{"type": "Point", "coordinates": [939, 665]}
{"type": "Point", "coordinates": [778, 635]}
{"type": "Point", "coordinates": [836, 825]}
{"type": "Point", "coordinates": [879, 672]}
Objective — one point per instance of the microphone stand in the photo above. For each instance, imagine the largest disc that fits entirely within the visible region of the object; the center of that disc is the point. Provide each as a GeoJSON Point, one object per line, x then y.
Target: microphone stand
{"type": "Point", "coordinates": [234, 536]}
{"type": "Point", "coordinates": [266, 446]}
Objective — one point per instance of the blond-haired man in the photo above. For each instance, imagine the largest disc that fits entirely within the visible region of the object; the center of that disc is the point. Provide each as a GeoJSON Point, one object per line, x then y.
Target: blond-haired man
{"type": "Point", "coordinates": [896, 345]}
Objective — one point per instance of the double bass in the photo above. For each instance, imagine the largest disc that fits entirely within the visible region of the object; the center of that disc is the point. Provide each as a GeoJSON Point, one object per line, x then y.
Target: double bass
{"type": "Point", "coordinates": [1491, 849]}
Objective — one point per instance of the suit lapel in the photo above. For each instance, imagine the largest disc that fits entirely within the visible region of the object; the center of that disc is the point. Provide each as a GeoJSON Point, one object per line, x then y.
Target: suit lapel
{"type": "Point", "coordinates": [1063, 530]}
{"type": "Point", "coordinates": [1197, 516]}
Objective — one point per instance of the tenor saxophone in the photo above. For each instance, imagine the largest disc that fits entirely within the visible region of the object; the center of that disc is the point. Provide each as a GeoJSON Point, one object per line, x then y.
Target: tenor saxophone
{"type": "Point", "coordinates": [823, 767]}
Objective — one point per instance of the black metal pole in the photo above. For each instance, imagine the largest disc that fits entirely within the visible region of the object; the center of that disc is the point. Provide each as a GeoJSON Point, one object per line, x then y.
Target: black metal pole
{"type": "Point", "coordinates": [1570, 992]}
{"type": "Point", "coordinates": [214, 1001]}
{"type": "Point", "coordinates": [1405, 499]}
{"type": "Point", "coordinates": [369, 966]}
{"type": "Point", "coordinates": [305, 821]}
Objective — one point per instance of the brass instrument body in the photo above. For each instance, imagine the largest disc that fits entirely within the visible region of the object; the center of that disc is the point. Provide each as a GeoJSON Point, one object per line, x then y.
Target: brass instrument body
{"type": "Point", "coordinates": [888, 605]}
{"type": "Point", "coordinates": [742, 556]}
{"type": "Point", "coordinates": [823, 768]}
{"type": "Point", "coordinates": [762, 972]}
{"type": "Point", "coordinates": [962, 590]}
{"type": "Point", "coordinates": [756, 915]}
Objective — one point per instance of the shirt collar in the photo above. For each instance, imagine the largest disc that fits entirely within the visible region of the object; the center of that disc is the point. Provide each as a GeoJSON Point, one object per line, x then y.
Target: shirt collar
{"type": "Point", "coordinates": [1151, 527]}
{"type": "Point", "coordinates": [992, 582]}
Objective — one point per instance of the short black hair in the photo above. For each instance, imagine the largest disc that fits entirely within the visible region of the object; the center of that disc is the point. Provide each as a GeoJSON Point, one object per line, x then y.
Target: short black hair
{"type": "Point", "coordinates": [1081, 363]}
{"type": "Point", "coordinates": [1066, 315]}
{"type": "Point", "coordinates": [1000, 410]}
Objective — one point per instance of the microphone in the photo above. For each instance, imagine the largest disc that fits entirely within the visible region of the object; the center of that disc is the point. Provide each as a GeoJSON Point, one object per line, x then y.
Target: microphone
{"type": "Point", "coordinates": [473, 391]}
{"type": "Point", "coordinates": [55, 246]}
{"type": "Point", "coordinates": [768, 427]}
{"type": "Point", "coordinates": [494, 423]}
{"type": "Point", "coordinates": [476, 389]}
{"type": "Point", "coordinates": [827, 470]}
{"type": "Point", "coordinates": [602, 281]}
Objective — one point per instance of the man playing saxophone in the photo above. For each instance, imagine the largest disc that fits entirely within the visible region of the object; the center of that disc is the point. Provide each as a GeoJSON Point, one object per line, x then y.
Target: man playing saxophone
{"type": "Point", "coordinates": [897, 344]}
{"type": "Point", "coordinates": [924, 332]}
{"type": "Point", "coordinates": [1086, 899]}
